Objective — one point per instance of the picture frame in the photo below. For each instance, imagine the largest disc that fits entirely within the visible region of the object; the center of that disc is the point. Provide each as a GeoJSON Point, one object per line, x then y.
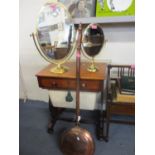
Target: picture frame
{"type": "Point", "coordinates": [80, 8]}
{"type": "Point", "coordinates": [115, 8]}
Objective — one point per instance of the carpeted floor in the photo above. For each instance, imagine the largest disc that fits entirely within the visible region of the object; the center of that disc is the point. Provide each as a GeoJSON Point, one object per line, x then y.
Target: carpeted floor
{"type": "Point", "coordinates": [34, 139]}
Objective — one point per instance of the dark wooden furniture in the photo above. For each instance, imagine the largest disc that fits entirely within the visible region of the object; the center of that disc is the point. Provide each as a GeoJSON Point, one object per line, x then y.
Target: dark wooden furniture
{"type": "Point", "coordinates": [91, 82]}
{"type": "Point", "coordinates": [114, 107]}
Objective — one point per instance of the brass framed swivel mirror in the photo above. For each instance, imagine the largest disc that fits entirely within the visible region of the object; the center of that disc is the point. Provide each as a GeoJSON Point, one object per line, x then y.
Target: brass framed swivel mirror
{"type": "Point", "coordinates": [55, 35]}
{"type": "Point", "coordinates": [92, 43]}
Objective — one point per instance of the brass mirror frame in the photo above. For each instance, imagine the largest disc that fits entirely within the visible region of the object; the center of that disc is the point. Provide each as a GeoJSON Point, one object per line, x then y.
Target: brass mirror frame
{"type": "Point", "coordinates": [92, 67]}
{"type": "Point", "coordinates": [59, 68]}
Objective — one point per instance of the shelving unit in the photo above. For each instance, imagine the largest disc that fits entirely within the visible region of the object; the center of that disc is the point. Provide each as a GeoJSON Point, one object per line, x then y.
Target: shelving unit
{"type": "Point", "coordinates": [88, 20]}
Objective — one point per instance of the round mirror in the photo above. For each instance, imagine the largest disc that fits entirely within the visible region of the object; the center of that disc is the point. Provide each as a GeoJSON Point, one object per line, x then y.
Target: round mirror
{"type": "Point", "coordinates": [92, 43]}
{"type": "Point", "coordinates": [55, 34]}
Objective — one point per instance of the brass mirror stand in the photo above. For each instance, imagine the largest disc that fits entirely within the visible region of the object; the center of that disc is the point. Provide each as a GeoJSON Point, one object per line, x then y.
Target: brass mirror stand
{"type": "Point", "coordinates": [92, 43]}
{"type": "Point", "coordinates": [92, 67]}
{"type": "Point", "coordinates": [59, 69]}
{"type": "Point", "coordinates": [54, 36]}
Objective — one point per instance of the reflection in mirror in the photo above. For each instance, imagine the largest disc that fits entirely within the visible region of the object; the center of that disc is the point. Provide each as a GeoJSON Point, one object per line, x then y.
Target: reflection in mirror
{"type": "Point", "coordinates": [92, 43]}
{"type": "Point", "coordinates": [55, 34]}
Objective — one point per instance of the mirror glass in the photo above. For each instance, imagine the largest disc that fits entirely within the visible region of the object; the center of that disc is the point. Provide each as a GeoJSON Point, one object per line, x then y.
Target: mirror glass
{"type": "Point", "coordinates": [55, 33]}
{"type": "Point", "coordinates": [93, 40]}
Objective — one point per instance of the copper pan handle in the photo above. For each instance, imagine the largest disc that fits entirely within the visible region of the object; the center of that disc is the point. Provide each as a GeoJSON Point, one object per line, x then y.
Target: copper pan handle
{"type": "Point", "coordinates": [78, 56]}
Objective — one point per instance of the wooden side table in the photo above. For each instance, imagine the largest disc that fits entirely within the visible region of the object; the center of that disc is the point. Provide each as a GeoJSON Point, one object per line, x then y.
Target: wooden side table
{"type": "Point", "coordinates": [90, 82]}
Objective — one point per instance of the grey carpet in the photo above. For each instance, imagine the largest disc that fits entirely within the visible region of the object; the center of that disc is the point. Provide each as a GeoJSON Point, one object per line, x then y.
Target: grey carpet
{"type": "Point", "coordinates": [34, 139]}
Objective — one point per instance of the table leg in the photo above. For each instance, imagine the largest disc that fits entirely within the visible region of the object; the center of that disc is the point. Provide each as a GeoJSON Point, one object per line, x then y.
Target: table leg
{"type": "Point", "coordinates": [107, 122]}
{"type": "Point", "coordinates": [101, 117]}
{"type": "Point", "coordinates": [55, 113]}
{"type": "Point", "coordinates": [100, 126]}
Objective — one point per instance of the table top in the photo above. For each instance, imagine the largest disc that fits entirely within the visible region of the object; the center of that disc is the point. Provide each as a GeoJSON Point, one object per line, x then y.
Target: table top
{"type": "Point", "coordinates": [71, 73]}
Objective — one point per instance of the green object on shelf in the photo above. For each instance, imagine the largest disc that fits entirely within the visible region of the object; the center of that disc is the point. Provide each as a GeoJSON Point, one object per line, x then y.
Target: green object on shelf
{"type": "Point", "coordinates": [69, 97]}
{"type": "Point", "coordinates": [112, 8]}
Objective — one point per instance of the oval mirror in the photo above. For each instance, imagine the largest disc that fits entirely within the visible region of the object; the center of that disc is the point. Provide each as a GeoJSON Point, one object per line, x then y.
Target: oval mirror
{"type": "Point", "coordinates": [92, 43]}
{"type": "Point", "coordinates": [55, 34]}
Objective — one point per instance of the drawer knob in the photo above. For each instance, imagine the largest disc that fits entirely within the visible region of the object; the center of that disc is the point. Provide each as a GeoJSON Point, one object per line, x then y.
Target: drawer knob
{"type": "Point", "coordinates": [54, 83]}
{"type": "Point", "coordinates": [83, 85]}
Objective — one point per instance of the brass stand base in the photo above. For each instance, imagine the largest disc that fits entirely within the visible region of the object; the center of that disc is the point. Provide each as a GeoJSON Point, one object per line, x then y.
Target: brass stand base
{"type": "Point", "coordinates": [59, 69]}
{"type": "Point", "coordinates": [92, 68]}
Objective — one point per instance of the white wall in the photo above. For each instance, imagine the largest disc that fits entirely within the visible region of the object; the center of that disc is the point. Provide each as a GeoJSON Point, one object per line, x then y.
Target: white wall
{"type": "Point", "coordinates": [120, 47]}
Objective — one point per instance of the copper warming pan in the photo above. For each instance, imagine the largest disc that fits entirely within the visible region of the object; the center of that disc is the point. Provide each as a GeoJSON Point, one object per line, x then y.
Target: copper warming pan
{"type": "Point", "coordinates": [77, 140]}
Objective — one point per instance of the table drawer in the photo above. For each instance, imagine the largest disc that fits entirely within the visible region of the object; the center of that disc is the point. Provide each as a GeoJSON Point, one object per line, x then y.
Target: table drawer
{"type": "Point", "coordinates": [65, 84]}
{"type": "Point", "coordinates": [49, 83]}
{"type": "Point", "coordinates": [91, 85]}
